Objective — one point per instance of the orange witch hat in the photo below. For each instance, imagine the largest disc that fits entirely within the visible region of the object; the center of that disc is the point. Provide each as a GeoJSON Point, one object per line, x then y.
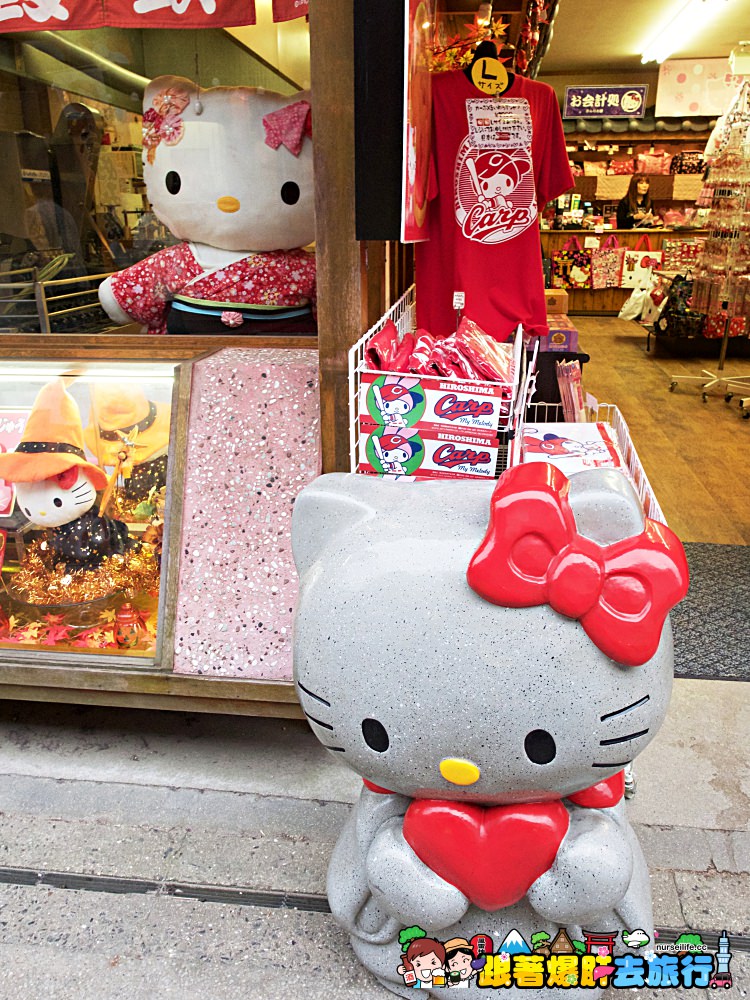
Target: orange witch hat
{"type": "Point", "coordinates": [52, 441]}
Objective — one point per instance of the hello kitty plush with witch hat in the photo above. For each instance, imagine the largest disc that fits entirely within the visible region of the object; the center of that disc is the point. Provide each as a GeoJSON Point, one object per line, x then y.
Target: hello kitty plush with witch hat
{"type": "Point", "coordinates": [229, 170]}
{"type": "Point", "coordinates": [56, 485]}
{"type": "Point", "coordinates": [523, 665]}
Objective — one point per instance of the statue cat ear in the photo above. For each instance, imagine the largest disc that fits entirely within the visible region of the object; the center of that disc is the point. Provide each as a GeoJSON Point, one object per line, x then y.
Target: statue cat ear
{"type": "Point", "coordinates": [605, 506]}
{"type": "Point", "coordinates": [328, 506]}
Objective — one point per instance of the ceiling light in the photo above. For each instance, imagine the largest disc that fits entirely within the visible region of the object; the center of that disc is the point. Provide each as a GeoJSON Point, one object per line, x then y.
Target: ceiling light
{"type": "Point", "coordinates": [739, 59]}
{"type": "Point", "coordinates": [685, 22]}
{"type": "Point", "coordinates": [483, 15]}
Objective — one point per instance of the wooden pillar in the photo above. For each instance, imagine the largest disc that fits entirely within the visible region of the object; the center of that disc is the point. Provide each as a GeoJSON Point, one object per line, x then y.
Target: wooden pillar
{"type": "Point", "coordinates": [341, 292]}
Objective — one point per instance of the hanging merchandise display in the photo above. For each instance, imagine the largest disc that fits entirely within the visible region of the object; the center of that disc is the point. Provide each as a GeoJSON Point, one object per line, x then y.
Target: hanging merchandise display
{"type": "Point", "coordinates": [571, 266]}
{"type": "Point", "coordinates": [229, 170]}
{"type": "Point", "coordinates": [638, 264]}
{"type": "Point", "coordinates": [722, 267]}
{"type": "Point", "coordinates": [606, 264]}
{"type": "Point", "coordinates": [495, 160]}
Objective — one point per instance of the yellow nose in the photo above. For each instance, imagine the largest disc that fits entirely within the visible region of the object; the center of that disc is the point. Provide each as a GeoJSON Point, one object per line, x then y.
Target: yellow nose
{"type": "Point", "coordinates": [459, 772]}
{"type": "Point", "coordinates": [42, 513]}
{"type": "Point", "coordinates": [228, 204]}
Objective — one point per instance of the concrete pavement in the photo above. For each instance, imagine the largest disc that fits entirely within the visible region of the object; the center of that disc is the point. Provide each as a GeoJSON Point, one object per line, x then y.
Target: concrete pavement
{"type": "Point", "coordinates": [169, 799]}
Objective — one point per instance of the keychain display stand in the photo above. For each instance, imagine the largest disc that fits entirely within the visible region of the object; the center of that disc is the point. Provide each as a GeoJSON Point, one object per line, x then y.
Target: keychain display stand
{"type": "Point", "coordinates": [722, 283]}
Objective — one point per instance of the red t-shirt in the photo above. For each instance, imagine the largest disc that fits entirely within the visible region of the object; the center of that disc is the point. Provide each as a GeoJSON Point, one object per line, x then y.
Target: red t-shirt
{"type": "Point", "coordinates": [494, 161]}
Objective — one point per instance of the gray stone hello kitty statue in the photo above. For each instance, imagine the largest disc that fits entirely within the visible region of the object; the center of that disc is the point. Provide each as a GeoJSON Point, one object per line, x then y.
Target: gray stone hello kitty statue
{"type": "Point", "coordinates": [489, 712]}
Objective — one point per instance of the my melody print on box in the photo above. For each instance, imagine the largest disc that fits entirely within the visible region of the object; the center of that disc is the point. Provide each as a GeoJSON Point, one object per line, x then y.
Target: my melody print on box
{"type": "Point", "coordinates": [432, 403]}
{"type": "Point", "coordinates": [426, 453]}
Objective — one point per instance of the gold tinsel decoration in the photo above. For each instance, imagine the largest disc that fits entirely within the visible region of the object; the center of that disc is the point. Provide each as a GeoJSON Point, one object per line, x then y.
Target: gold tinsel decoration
{"type": "Point", "coordinates": [42, 582]}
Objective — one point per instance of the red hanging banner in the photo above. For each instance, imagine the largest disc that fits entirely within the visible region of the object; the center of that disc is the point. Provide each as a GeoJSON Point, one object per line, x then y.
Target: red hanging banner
{"type": "Point", "coordinates": [179, 13]}
{"type": "Point", "coordinates": [288, 10]}
{"type": "Point", "coordinates": [46, 15]}
{"type": "Point", "coordinates": [60, 15]}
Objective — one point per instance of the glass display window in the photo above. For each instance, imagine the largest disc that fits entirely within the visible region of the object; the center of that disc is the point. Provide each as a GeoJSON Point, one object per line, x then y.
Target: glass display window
{"type": "Point", "coordinates": [81, 116]}
{"type": "Point", "coordinates": [86, 455]}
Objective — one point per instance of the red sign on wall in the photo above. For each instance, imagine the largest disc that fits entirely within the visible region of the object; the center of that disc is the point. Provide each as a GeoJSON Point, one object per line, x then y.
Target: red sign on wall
{"type": "Point", "coordinates": [57, 15]}
{"type": "Point", "coordinates": [287, 10]}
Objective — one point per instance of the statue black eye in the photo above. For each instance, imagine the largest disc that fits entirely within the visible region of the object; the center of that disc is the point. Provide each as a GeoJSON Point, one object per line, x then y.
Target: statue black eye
{"type": "Point", "coordinates": [27, 512]}
{"type": "Point", "coordinates": [57, 502]}
{"type": "Point", "coordinates": [375, 735]}
{"type": "Point", "coordinates": [290, 193]}
{"type": "Point", "coordinates": [540, 747]}
{"type": "Point", "coordinates": [173, 182]}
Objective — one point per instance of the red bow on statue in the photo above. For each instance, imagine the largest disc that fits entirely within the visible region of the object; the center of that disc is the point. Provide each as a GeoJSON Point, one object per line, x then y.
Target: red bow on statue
{"type": "Point", "coordinates": [288, 126]}
{"type": "Point", "coordinates": [532, 554]}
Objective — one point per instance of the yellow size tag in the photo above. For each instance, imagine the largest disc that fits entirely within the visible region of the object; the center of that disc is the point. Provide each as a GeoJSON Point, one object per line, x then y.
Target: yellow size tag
{"type": "Point", "coordinates": [490, 76]}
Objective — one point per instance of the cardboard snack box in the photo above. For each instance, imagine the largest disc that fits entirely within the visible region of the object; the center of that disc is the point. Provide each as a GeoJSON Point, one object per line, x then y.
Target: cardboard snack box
{"type": "Point", "coordinates": [557, 300]}
{"type": "Point", "coordinates": [427, 453]}
{"type": "Point", "coordinates": [431, 402]}
{"type": "Point", "coordinates": [562, 336]}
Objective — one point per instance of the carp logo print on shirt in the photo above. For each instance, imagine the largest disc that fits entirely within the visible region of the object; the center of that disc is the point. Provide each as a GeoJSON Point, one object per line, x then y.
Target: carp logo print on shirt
{"type": "Point", "coordinates": [495, 198]}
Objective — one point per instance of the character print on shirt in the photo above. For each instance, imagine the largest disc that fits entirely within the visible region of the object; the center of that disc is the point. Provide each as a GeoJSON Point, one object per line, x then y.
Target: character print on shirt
{"type": "Point", "coordinates": [495, 197]}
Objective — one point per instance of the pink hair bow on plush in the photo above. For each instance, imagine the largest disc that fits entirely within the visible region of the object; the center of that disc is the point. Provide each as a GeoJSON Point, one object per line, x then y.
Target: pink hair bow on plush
{"type": "Point", "coordinates": [532, 554]}
{"type": "Point", "coordinates": [288, 126]}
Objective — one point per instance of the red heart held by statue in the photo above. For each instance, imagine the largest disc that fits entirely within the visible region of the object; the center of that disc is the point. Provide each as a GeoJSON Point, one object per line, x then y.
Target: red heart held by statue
{"type": "Point", "coordinates": [492, 854]}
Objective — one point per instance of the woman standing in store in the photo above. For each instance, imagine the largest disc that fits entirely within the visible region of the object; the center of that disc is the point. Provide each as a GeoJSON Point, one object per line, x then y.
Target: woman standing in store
{"type": "Point", "coordinates": [634, 210]}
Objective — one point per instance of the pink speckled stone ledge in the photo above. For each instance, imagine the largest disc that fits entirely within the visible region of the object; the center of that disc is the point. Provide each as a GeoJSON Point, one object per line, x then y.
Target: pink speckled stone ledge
{"type": "Point", "coordinates": [253, 443]}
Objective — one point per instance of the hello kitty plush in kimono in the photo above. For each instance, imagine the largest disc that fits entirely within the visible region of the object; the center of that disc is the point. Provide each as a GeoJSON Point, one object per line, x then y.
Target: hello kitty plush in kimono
{"type": "Point", "coordinates": [525, 663]}
{"type": "Point", "coordinates": [229, 171]}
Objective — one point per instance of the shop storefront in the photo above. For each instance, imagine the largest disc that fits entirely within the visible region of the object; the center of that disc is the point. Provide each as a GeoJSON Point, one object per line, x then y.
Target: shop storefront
{"type": "Point", "coordinates": [216, 434]}
{"type": "Point", "coordinates": [145, 510]}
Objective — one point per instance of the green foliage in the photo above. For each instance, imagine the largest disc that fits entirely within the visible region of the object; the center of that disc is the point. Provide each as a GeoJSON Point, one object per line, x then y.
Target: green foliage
{"type": "Point", "coordinates": [580, 947]}
{"type": "Point", "coordinates": [409, 934]}
{"type": "Point", "coordinates": [690, 942]}
{"type": "Point", "coordinates": [539, 938]}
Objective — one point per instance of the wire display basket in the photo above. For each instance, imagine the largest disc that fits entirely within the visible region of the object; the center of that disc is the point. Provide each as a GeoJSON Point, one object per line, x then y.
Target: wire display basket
{"type": "Point", "coordinates": [402, 313]}
{"type": "Point", "coordinates": [489, 440]}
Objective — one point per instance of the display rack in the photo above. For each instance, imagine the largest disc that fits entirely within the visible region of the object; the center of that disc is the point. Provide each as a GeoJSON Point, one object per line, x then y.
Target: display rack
{"type": "Point", "coordinates": [722, 282]}
{"type": "Point", "coordinates": [403, 313]}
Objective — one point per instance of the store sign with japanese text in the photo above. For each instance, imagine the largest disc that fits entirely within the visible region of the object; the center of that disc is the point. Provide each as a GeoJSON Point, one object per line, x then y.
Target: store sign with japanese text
{"type": "Point", "coordinates": [605, 102]}
{"type": "Point", "coordinates": [56, 15]}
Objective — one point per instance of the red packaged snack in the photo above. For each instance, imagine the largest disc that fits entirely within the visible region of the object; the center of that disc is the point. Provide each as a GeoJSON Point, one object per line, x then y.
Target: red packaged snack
{"type": "Point", "coordinates": [491, 360]}
{"type": "Point", "coordinates": [401, 362]}
{"type": "Point", "coordinates": [451, 357]}
{"type": "Point", "coordinates": [382, 347]}
{"type": "Point", "coordinates": [420, 356]}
